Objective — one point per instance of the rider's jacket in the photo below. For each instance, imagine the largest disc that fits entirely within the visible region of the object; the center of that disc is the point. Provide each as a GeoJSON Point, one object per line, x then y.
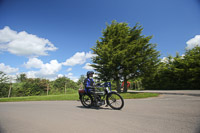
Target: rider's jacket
{"type": "Point", "coordinates": [89, 84]}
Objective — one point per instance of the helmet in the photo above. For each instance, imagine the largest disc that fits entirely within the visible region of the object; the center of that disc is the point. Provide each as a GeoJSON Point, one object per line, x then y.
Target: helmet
{"type": "Point", "coordinates": [89, 72]}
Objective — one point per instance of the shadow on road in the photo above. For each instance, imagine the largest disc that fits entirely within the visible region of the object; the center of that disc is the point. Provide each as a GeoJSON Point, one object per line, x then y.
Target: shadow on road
{"type": "Point", "coordinates": [96, 108]}
{"type": "Point", "coordinates": [1, 130]}
{"type": "Point", "coordinates": [198, 128]}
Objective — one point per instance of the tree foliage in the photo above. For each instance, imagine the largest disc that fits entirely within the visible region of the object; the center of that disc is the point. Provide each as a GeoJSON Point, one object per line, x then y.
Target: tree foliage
{"type": "Point", "coordinates": [3, 77]}
{"type": "Point", "coordinates": [81, 79]}
{"type": "Point", "coordinates": [61, 82]}
{"type": "Point", "coordinates": [22, 77]}
{"type": "Point", "coordinates": [4, 86]}
{"type": "Point", "coordinates": [179, 72]}
{"type": "Point", "coordinates": [123, 53]}
{"type": "Point", "coordinates": [37, 86]}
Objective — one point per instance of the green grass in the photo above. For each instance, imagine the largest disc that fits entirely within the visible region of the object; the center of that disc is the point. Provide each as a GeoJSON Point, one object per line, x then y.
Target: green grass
{"type": "Point", "coordinates": [133, 95]}
{"type": "Point", "coordinates": [42, 98]}
{"type": "Point", "coordinates": [73, 96]}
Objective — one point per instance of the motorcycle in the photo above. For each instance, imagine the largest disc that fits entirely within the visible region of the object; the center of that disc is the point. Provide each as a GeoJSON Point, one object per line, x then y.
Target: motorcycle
{"type": "Point", "coordinates": [97, 97]}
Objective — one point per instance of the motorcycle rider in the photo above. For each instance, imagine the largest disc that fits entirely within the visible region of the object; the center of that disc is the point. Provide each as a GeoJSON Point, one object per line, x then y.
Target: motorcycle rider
{"type": "Point", "coordinates": [89, 82]}
{"type": "Point", "coordinates": [89, 85]}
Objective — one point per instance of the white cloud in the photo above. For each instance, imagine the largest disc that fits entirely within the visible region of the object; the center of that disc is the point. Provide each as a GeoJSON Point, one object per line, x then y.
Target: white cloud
{"type": "Point", "coordinates": [88, 67]}
{"type": "Point", "coordinates": [31, 74]}
{"type": "Point", "coordinates": [34, 63]}
{"type": "Point", "coordinates": [182, 56]}
{"type": "Point", "coordinates": [48, 70]}
{"type": "Point", "coordinates": [24, 44]}
{"type": "Point", "coordinates": [12, 78]}
{"type": "Point", "coordinates": [95, 75]}
{"type": "Point", "coordinates": [60, 75]}
{"type": "Point", "coordinates": [70, 75]}
{"type": "Point", "coordinates": [69, 69]}
{"type": "Point", "coordinates": [90, 55]}
{"type": "Point", "coordinates": [193, 42]}
{"type": "Point", "coordinates": [166, 60]}
{"type": "Point", "coordinates": [7, 69]}
{"type": "Point", "coordinates": [78, 58]}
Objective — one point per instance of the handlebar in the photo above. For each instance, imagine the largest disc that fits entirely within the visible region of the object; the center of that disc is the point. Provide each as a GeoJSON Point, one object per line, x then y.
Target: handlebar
{"type": "Point", "coordinates": [106, 84]}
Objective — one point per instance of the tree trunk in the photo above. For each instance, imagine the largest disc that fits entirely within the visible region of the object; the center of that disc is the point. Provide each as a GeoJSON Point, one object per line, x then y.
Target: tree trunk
{"type": "Point", "coordinates": [65, 88]}
{"type": "Point", "coordinates": [118, 86]}
{"type": "Point", "coordinates": [9, 90]}
{"type": "Point", "coordinates": [135, 85]}
{"type": "Point", "coordinates": [125, 84]}
{"type": "Point", "coordinates": [47, 89]}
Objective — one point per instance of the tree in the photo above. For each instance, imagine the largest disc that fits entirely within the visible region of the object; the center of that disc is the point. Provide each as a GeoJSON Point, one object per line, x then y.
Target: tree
{"type": "Point", "coordinates": [22, 77]}
{"type": "Point", "coordinates": [3, 77]}
{"type": "Point", "coordinates": [80, 81]}
{"type": "Point", "coordinates": [179, 72]}
{"type": "Point", "coordinates": [123, 53]}
{"type": "Point", "coordinates": [4, 86]}
{"type": "Point", "coordinates": [107, 61]}
{"type": "Point", "coordinates": [192, 59]}
{"type": "Point", "coordinates": [64, 82]}
{"type": "Point", "coordinates": [141, 58]}
{"type": "Point", "coordinates": [31, 87]}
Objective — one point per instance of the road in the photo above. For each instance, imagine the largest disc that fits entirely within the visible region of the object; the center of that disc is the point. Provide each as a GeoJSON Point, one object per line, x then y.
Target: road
{"type": "Point", "coordinates": [163, 114]}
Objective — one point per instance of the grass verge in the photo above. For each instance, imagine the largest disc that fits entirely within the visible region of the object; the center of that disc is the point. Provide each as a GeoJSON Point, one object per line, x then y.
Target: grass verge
{"type": "Point", "coordinates": [133, 95]}
{"type": "Point", "coordinates": [74, 96]}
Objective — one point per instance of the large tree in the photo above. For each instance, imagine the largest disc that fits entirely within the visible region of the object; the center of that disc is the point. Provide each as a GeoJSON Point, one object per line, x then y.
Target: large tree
{"type": "Point", "coordinates": [123, 53]}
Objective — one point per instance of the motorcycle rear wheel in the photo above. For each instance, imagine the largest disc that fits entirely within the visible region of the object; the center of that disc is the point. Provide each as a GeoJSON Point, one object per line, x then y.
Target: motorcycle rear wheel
{"type": "Point", "coordinates": [86, 100]}
{"type": "Point", "coordinates": [115, 101]}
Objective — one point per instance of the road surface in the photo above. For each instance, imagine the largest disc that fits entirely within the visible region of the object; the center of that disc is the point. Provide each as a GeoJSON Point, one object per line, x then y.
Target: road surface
{"type": "Point", "coordinates": [163, 114]}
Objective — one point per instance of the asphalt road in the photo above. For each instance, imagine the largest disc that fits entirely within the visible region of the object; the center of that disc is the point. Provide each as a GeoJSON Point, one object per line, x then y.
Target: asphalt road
{"type": "Point", "coordinates": [164, 114]}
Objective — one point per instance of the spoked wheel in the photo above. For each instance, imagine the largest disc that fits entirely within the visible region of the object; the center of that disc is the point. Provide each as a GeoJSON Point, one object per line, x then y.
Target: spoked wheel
{"type": "Point", "coordinates": [115, 101]}
{"type": "Point", "coordinates": [86, 100]}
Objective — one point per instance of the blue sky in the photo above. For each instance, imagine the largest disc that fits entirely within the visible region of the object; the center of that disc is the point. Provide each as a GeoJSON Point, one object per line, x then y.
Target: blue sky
{"type": "Point", "coordinates": [48, 38]}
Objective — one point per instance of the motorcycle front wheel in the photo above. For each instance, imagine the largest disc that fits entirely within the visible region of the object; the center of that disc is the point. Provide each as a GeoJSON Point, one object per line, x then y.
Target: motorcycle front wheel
{"type": "Point", "coordinates": [115, 101]}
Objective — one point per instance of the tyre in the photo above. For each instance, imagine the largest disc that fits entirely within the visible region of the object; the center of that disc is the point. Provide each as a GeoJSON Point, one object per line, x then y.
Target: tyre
{"type": "Point", "coordinates": [115, 101]}
{"type": "Point", "coordinates": [86, 100]}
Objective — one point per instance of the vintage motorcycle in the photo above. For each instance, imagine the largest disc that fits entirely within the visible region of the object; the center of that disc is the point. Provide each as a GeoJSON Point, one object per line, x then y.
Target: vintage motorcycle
{"type": "Point", "coordinates": [101, 95]}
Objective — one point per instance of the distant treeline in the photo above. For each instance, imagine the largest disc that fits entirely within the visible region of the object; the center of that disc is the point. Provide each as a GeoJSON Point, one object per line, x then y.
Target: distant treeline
{"type": "Point", "coordinates": [180, 72]}
{"type": "Point", "coordinates": [30, 87]}
{"type": "Point", "coordinates": [172, 73]}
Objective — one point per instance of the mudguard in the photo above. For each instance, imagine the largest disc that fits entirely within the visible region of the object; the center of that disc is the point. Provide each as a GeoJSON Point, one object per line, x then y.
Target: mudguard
{"type": "Point", "coordinates": [81, 92]}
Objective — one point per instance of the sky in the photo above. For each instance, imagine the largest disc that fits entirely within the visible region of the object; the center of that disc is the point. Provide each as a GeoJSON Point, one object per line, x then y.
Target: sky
{"type": "Point", "coordinates": [53, 38]}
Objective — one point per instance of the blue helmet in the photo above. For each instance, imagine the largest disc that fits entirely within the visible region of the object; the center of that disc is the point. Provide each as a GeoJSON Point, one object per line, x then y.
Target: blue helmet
{"type": "Point", "coordinates": [89, 72]}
